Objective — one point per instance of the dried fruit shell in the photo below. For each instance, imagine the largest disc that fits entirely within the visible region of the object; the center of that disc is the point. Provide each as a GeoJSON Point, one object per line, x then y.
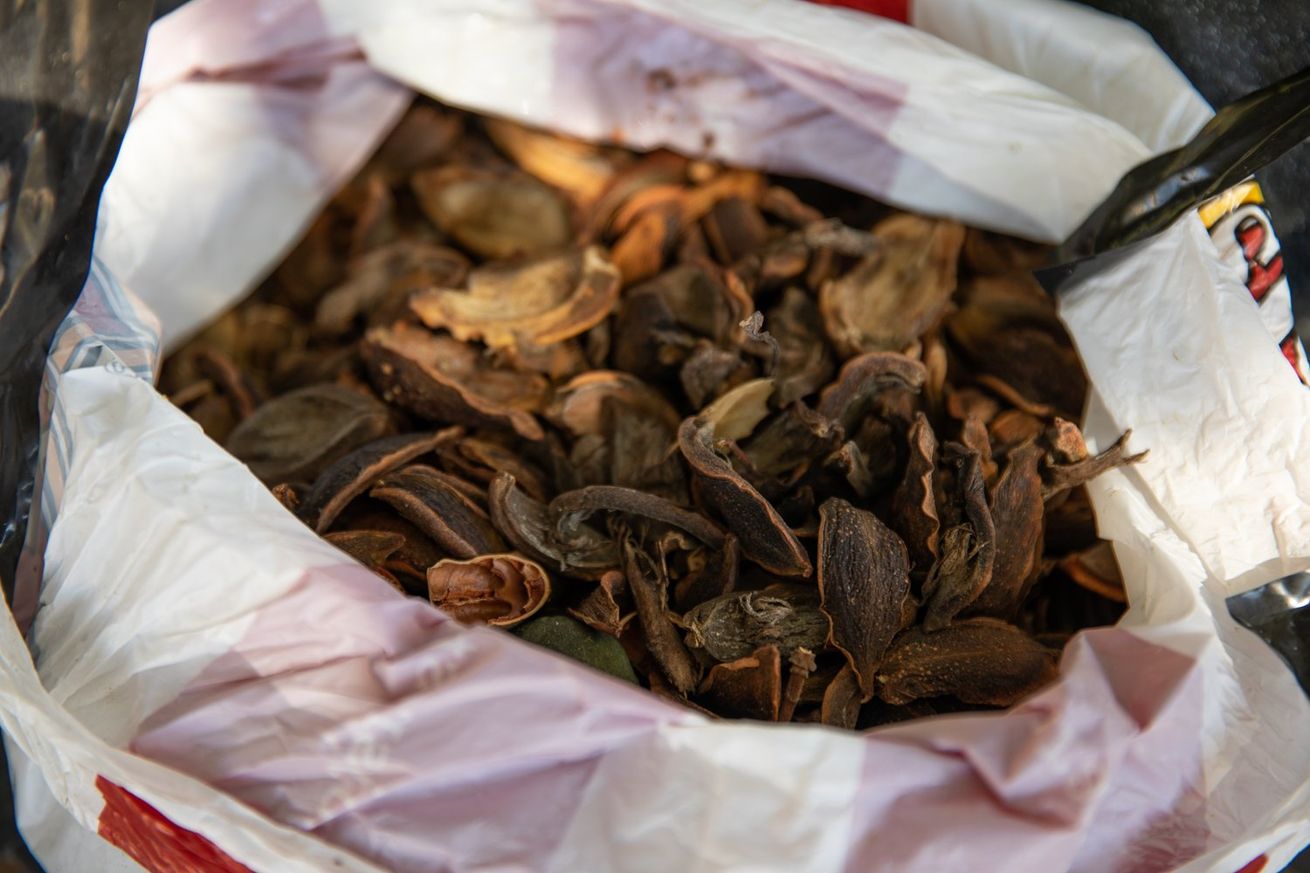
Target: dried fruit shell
{"type": "Point", "coordinates": [499, 589]}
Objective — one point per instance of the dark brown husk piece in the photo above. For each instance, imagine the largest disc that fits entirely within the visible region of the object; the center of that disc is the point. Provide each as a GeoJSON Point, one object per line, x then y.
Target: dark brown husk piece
{"type": "Point", "coordinates": [794, 455]}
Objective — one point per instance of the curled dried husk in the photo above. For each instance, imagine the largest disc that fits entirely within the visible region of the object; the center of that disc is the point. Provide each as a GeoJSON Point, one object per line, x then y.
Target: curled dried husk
{"type": "Point", "coordinates": [733, 625]}
{"type": "Point", "coordinates": [498, 589]}
{"type": "Point", "coordinates": [495, 215]}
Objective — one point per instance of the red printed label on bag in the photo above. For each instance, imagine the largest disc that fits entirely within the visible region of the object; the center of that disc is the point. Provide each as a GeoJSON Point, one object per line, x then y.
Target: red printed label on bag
{"type": "Point", "coordinates": [897, 10]}
{"type": "Point", "coordinates": [155, 842]}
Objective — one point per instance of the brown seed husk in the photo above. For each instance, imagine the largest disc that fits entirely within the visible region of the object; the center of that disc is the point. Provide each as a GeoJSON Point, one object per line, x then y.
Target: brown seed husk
{"type": "Point", "coordinates": [914, 506]}
{"type": "Point", "coordinates": [355, 473]}
{"type": "Point", "coordinates": [763, 535]}
{"type": "Point", "coordinates": [968, 556]}
{"type": "Point", "coordinates": [608, 608]}
{"type": "Point", "coordinates": [841, 700]}
{"type": "Point", "coordinates": [371, 548]}
{"type": "Point", "coordinates": [749, 687]}
{"type": "Point", "coordinates": [1062, 477]}
{"type": "Point", "coordinates": [733, 625]}
{"type": "Point", "coordinates": [425, 497]}
{"type": "Point", "coordinates": [494, 215]}
{"type": "Point", "coordinates": [499, 590]}
{"type": "Point", "coordinates": [981, 661]}
{"type": "Point", "coordinates": [527, 524]}
{"type": "Point", "coordinates": [864, 577]}
{"type": "Point", "coordinates": [1017, 512]}
{"type": "Point", "coordinates": [649, 586]}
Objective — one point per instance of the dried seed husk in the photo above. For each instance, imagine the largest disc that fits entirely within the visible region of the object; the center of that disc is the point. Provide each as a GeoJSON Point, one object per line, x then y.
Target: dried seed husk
{"type": "Point", "coordinates": [974, 436]}
{"type": "Point", "coordinates": [981, 661]}
{"type": "Point", "coordinates": [1061, 477]}
{"type": "Point", "coordinates": [862, 379]}
{"type": "Point", "coordinates": [607, 608]}
{"type": "Point", "coordinates": [527, 524]}
{"type": "Point", "coordinates": [968, 558]}
{"type": "Point", "coordinates": [763, 535]}
{"type": "Point", "coordinates": [1017, 512]}
{"type": "Point", "coordinates": [864, 577]}
{"type": "Point", "coordinates": [656, 169]}
{"type": "Point", "coordinates": [686, 301]}
{"type": "Point", "coordinates": [790, 443]}
{"type": "Point", "coordinates": [749, 687]}
{"type": "Point", "coordinates": [800, 665]}
{"type": "Point", "coordinates": [455, 523]}
{"type": "Point", "coordinates": [573, 507]}
{"type": "Point", "coordinates": [494, 215]}
{"type": "Point", "coordinates": [1013, 428]}
{"type": "Point", "coordinates": [642, 249]}
{"type": "Point", "coordinates": [849, 462]}
{"type": "Point", "coordinates": [709, 371]}
{"type": "Point", "coordinates": [1066, 442]}
{"type": "Point", "coordinates": [716, 575]}
{"type": "Point", "coordinates": [914, 506]}
{"type": "Point", "coordinates": [965, 403]}
{"type": "Point", "coordinates": [296, 436]}
{"type": "Point", "coordinates": [841, 700]}
{"type": "Point", "coordinates": [441, 379]}
{"type": "Point", "coordinates": [995, 254]}
{"type": "Point", "coordinates": [424, 134]}
{"type": "Point", "coordinates": [543, 301]}
{"type": "Point", "coordinates": [355, 473]}
{"type": "Point", "coordinates": [569, 638]}
{"type": "Point", "coordinates": [1012, 396]}
{"type": "Point", "coordinates": [231, 383]}
{"type": "Point", "coordinates": [579, 405]}
{"type": "Point", "coordinates": [735, 415]}
{"type": "Point", "coordinates": [733, 625]}
{"type": "Point", "coordinates": [412, 559]}
{"type": "Point", "coordinates": [371, 548]}
{"type": "Point", "coordinates": [581, 169]}
{"type": "Point", "coordinates": [481, 460]}
{"type": "Point", "coordinates": [643, 452]}
{"type": "Point", "coordinates": [783, 204]}
{"type": "Point", "coordinates": [377, 275]}
{"type": "Point", "coordinates": [734, 228]}
{"type": "Point", "coordinates": [897, 292]}
{"type": "Point", "coordinates": [1096, 570]}
{"type": "Point", "coordinates": [499, 590]}
{"type": "Point", "coordinates": [649, 586]}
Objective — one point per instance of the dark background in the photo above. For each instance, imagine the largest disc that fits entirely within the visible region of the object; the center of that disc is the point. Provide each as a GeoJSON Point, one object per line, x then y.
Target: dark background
{"type": "Point", "coordinates": [1227, 49]}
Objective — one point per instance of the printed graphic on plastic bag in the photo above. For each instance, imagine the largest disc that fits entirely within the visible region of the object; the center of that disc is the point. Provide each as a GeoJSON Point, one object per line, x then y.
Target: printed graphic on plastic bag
{"type": "Point", "coordinates": [249, 656]}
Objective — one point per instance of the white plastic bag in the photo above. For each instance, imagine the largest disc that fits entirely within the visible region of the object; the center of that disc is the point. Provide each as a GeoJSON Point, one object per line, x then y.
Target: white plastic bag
{"type": "Point", "coordinates": [198, 649]}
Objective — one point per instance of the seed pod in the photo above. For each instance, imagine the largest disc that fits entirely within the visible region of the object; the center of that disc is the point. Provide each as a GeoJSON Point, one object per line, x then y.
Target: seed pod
{"type": "Point", "coordinates": [454, 522]}
{"type": "Point", "coordinates": [608, 608]}
{"type": "Point", "coordinates": [573, 507]}
{"type": "Point", "coordinates": [1061, 477]}
{"type": "Point", "coordinates": [355, 473]}
{"type": "Point", "coordinates": [841, 700]}
{"type": "Point", "coordinates": [862, 379]}
{"type": "Point", "coordinates": [981, 661]}
{"type": "Point", "coordinates": [650, 591]}
{"type": "Point", "coordinates": [914, 507]}
{"type": "Point", "coordinates": [864, 578]}
{"type": "Point", "coordinates": [762, 533]}
{"type": "Point", "coordinates": [749, 687]}
{"type": "Point", "coordinates": [734, 625]}
{"type": "Point", "coordinates": [370, 547]}
{"type": "Point", "coordinates": [527, 524]}
{"type": "Point", "coordinates": [494, 215]}
{"type": "Point", "coordinates": [500, 590]}
{"type": "Point", "coordinates": [967, 562]}
{"type": "Point", "coordinates": [296, 436]}
{"type": "Point", "coordinates": [1016, 511]}
{"type": "Point", "coordinates": [801, 665]}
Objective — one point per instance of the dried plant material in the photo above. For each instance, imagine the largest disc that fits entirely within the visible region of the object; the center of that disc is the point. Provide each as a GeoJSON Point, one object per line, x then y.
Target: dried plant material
{"type": "Point", "coordinates": [641, 251]}
{"type": "Point", "coordinates": [494, 215]}
{"type": "Point", "coordinates": [898, 291]}
{"type": "Point", "coordinates": [1096, 570]}
{"type": "Point", "coordinates": [288, 495]}
{"type": "Point", "coordinates": [864, 576]}
{"type": "Point", "coordinates": [499, 590]}
{"type": "Point", "coordinates": [841, 700]}
{"type": "Point", "coordinates": [571, 639]}
{"type": "Point", "coordinates": [527, 524]}
{"type": "Point", "coordinates": [380, 274]}
{"type": "Point", "coordinates": [1061, 477]}
{"type": "Point", "coordinates": [785, 615]}
{"type": "Point", "coordinates": [603, 609]}
{"type": "Point", "coordinates": [296, 436]}
{"type": "Point", "coordinates": [1013, 428]}
{"type": "Point", "coordinates": [636, 358]}
{"type": "Point", "coordinates": [800, 665]}
{"type": "Point", "coordinates": [914, 506]}
{"type": "Point", "coordinates": [714, 572]}
{"type": "Point", "coordinates": [1066, 442]}
{"type": "Point", "coordinates": [573, 507]}
{"type": "Point", "coordinates": [442, 379]}
{"type": "Point", "coordinates": [994, 254]}
{"type": "Point", "coordinates": [981, 661]}
{"type": "Point", "coordinates": [734, 229]}
{"type": "Point", "coordinates": [763, 535]}
{"type": "Point", "coordinates": [650, 591]}
{"type": "Point", "coordinates": [735, 415]}
{"type": "Point", "coordinates": [426, 498]}
{"type": "Point", "coordinates": [541, 302]}
{"type": "Point", "coordinates": [579, 404]}
{"type": "Point", "coordinates": [579, 168]}
{"type": "Point", "coordinates": [968, 551]}
{"type": "Point", "coordinates": [863, 379]}
{"type": "Point", "coordinates": [749, 687]}
{"type": "Point", "coordinates": [371, 548]}
{"type": "Point", "coordinates": [1016, 511]}
{"type": "Point", "coordinates": [355, 473]}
